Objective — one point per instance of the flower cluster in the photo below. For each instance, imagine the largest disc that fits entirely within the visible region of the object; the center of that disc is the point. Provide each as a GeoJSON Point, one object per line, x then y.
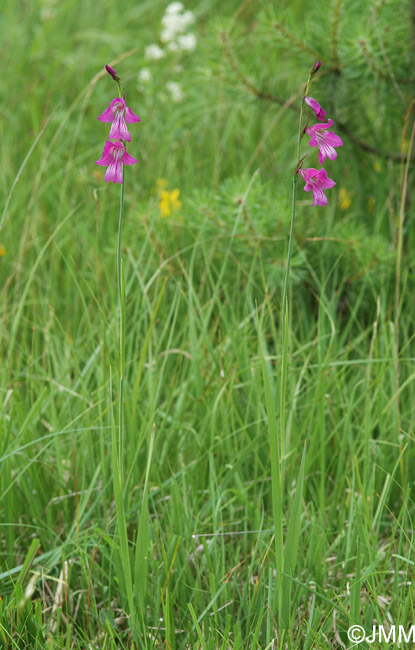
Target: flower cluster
{"type": "Point", "coordinates": [175, 23]}
{"type": "Point", "coordinates": [316, 180]}
{"type": "Point", "coordinates": [175, 38]}
{"type": "Point", "coordinates": [115, 154]}
{"type": "Point", "coordinates": [168, 199]}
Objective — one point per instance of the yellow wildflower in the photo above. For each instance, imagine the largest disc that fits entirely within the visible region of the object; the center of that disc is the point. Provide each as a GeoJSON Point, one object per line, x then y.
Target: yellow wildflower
{"type": "Point", "coordinates": [2, 251]}
{"type": "Point", "coordinates": [169, 201]}
{"type": "Point", "coordinates": [345, 199]}
{"type": "Point", "coordinates": [376, 166]}
{"type": "Point", "coordinates": [371, 204]}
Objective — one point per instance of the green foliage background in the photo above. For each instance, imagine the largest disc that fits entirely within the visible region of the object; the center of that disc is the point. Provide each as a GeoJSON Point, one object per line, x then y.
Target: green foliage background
{"type": "Point", "coordinates": [195, 284]}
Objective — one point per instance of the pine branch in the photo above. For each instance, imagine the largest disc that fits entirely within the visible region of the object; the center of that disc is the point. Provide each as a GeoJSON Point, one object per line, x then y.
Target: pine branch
{"type": "Point", "coordinates": [266, 95]}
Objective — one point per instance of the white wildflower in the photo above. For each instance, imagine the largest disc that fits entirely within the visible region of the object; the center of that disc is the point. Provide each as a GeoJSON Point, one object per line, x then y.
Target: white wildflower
{"type": "Point", "coordinates": [175, 90]}
{"type": "Point", "coordinates": [170, 21]}
{"type": "Point", "coordinates": [174, 8]}
{"type": "Point", "coordinates": [187, 42]}
{"type": "Point", "coordinates": [172, 46]}
{"type": "Point", "coordinates": [174, 24]}
{"type": "Point", "coordinates": [167, 35]}
{"type": "Point", "coordinates": [144, 75]}
{"type": "Point", "coordinates": [154, 52]}
{"type": "Point", "coordinates": [187, 19]}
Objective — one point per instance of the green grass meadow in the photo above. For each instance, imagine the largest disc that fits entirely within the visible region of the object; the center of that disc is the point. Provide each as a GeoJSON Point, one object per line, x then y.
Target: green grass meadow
{"type": "Point", "coordinates": [203, 524]}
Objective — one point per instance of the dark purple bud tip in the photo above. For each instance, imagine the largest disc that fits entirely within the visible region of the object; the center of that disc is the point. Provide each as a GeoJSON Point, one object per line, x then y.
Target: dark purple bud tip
{"type": "Point", "coordinates": [112, 72]}
{"type": "Point", "coordinates": [315, 67]}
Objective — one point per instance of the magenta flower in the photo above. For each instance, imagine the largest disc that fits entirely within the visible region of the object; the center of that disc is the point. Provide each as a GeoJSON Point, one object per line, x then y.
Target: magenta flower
{"type": "Point", "coordinates": [324, 140]}
{"type": "Point", "coordinates": [316, 180]}
{"type": "Point", "coordinates": [118, 113]}
{"type": "Point", "coordinates": [315, 106]}
{"type": "Point", "coordinates": [115, 156]}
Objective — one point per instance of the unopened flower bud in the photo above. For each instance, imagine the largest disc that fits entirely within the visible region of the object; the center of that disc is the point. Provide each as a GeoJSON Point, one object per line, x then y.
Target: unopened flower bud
{"type": "Point", "coordinates": [112, 72]}
{"type": "Point", "coordinates": [315, 67]}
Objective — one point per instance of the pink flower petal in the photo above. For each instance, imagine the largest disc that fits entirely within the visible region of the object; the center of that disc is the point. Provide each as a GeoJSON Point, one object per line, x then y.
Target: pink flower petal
{"type": "Point", "coordinates": [131, 117]}
{"type": "Point", "coordinates": [315, 106]}
{"type": "Point", "coordinates": [114, 156]}
{"type": "Point", "coordinates": [119, 129]}
{"type": "Point", "coordinates": [104, 160]}
{"type": "Point", "coordinates": [114, 172]}
{"type": "Point", "coordinates": [333, 139]}
{"type": "Point", "coordinates": [326, 151]}
{"type": "Point", "coordinates": [106, 116]}
{"type": "Point", "coordinates": [319, 197]}
{"type": "Point", "coordinates": [128, 160]}
{"type": "Point", "coordinates": [319, 127]}
{"type": "Point", "coordinates": [119, 114]}
{"type": "Point", "coordinates": [106, 154]}
{"type": "Point", "coordinates": [326, 184]}
{"type": "Point", "coordinates": [316, 181]}
{"type": "Point", "coordinates": [308, 173]}
{"type": "Point", "coordinates": [324, 140]}
{"type": "Point", "coordinates": [109, 113]}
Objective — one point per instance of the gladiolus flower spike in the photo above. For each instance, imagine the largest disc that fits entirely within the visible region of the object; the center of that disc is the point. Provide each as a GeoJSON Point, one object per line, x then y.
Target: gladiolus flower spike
{"type": "Point", "coordinates": [316, 180]}
{"type": "Point", "coordinates": [119, 114]}
{"type": "Point", "coordinates": [114, 157]}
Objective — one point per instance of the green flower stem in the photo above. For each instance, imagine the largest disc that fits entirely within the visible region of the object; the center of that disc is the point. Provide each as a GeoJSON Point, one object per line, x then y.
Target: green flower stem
{"type": "Point", "coordinates": [284, 561]}
{"type": "Point", "coordinates": [123, 563]}
{"type": "Point", "coordinates": [121, 305]}
{"type": "Point", "coordinates": [284, 305]}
